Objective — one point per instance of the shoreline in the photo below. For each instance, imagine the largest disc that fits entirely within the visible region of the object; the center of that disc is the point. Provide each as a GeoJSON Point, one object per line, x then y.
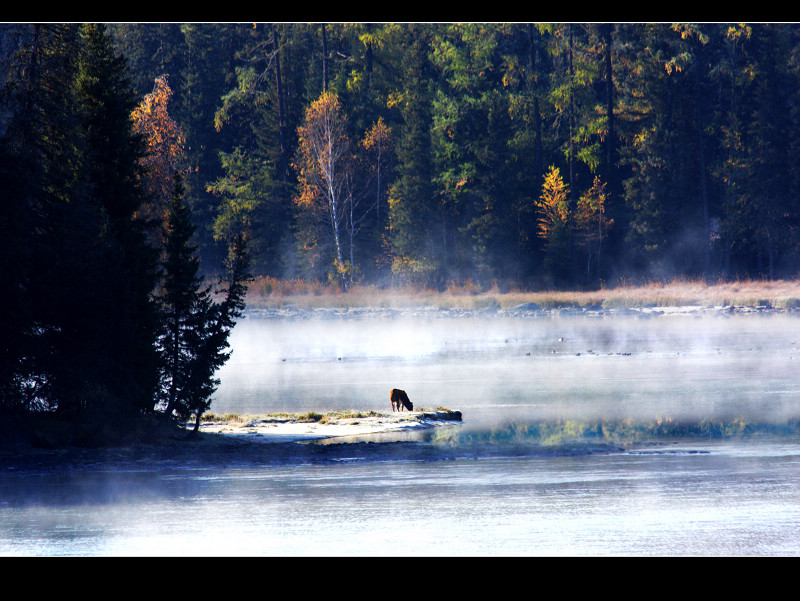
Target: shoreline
{"type": "Point", "coordinates": [295, 427]}
{"type": "Point", "coordinates": [528, 310]}
{"type": "Point", "coordinates": [226, 438]}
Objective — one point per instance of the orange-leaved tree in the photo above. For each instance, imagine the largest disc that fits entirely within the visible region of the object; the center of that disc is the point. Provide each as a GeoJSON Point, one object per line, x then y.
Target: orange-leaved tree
{"type": "Point", "coordinates": [378, 142]}
{"type": "Point", "coordinates": [164, 156]}
{"type": "Point", "coordinates": [591, 222]}
{"type": "Point", "coordinates": [378, 146]}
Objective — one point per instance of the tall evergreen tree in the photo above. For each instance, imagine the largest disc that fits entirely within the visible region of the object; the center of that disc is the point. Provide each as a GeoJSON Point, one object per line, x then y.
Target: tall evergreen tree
{"type": "Point", "coordinates": [87, 273]}
{"type": "Point", "coordinates": [44, 135]}
{"type": "Point", "coordinates": [256, 177]}
{"type": "Point", "coordinates": [413, 210]}
{"type": "Point", "coordinates": [208, 51]}
{"type": "Point", "coordinates": [766, 196]}
{"type": "Point", "coordinates": [663, 188]}
{"type": "Point", "coordinates": [194, 340]}
{"type": "Point", "coordinates": [126, 321]}
{"type": "Point", "coordinates": [17, 326]}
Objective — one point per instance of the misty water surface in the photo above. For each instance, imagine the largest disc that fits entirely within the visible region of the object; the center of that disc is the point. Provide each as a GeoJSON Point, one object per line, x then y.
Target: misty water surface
{"type": "Point", "coordinates": [498, 369]}
{"type": "Point", "coordinates": [481, 489]}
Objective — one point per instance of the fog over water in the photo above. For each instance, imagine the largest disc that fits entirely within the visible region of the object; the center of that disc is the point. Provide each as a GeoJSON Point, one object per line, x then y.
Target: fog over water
{"type": "Point", "coordinates": [485, 487]}
{"type": "Point", "coordinates": [498, 368]}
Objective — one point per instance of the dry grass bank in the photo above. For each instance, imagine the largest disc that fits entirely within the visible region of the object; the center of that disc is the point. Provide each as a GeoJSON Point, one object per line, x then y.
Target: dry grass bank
{"type": "Point", "coordinates": [268, 292]}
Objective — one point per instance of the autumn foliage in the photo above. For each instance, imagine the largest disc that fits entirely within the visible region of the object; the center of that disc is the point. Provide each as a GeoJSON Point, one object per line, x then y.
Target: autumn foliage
{"type": "Point", "coordinates": [324, 176]}
{"type": "Point", "coordinates": [565, 230]}
{"type": "Point", "coordinates": [591, 222]}
{"type": "Point", "coordinates": [553, 207]}
{"type": "Point", "coordinates": [165, 149]}
{"type": "Point", "coordinates": [340, 184]}
{"type": "Point", "coordinates": [692, 130]}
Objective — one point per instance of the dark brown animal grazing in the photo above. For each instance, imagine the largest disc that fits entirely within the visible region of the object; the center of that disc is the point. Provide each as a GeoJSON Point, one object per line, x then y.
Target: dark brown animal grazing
{"type": "Point", "coordinates": [400, 399]}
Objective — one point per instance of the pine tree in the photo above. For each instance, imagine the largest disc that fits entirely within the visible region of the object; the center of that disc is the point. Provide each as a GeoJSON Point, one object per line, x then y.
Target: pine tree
{"type": "Point", "coordinates": [17, 326]}
{"type": "Point", "coordinates": [195, 332]}
{"type": "Point", "coordinates": [85, 272]}
{"type": "Point", "coordinates": [182, 299]}
{"type": "Point", "coordinates": [249, 204]}
{"type": "Point", "coordinates": [125, 323]}
{"type": "Point", "coordinates": [48, 207]}
{"type": "Point", "coordinates": [412, 204]}
{"type": "Point", "coordinates": [213, 327]}
{"type": "Point", "coordinates": [208, 50]}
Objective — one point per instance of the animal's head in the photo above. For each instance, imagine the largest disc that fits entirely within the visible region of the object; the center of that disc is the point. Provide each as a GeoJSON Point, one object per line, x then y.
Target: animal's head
{"type": "Point", "coordinates": [410, 406]}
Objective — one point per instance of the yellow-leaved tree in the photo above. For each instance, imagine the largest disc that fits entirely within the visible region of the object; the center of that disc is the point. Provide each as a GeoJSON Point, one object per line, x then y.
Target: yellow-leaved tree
{"type": "Point", "coordinates": [554, 222]}
{"type": "Point", "coordinates": [378, 142]}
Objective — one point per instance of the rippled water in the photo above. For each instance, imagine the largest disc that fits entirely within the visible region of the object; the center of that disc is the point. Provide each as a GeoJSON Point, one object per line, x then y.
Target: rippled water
{"type": "Point", "coordinates": [491, 486]}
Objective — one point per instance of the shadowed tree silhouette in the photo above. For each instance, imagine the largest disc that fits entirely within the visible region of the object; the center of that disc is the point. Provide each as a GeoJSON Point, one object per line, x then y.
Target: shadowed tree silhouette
{"type": "Point", "coordinates": [194, 340]}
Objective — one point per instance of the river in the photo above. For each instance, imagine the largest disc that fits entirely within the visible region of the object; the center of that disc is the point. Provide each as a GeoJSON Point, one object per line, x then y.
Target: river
{"type": "Point", "coordinates": [487, 487]}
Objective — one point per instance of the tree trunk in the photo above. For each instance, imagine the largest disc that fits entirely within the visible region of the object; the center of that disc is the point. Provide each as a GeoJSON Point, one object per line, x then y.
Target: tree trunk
{"type": "Point", "coordinates": [571, 122]}
{"type": "Point", "coordinates": [336, 236]}
{"type": "Point", "coordinates": [352, 236]}
{"type": "Point", "coordinates": [532, 66]}
{"type": "Point", "coordinates": [571, 198]}
{"type": "Point", "coordinates": [324, 59]}
{"type": "Point", "coordinates": [281, 109]}
{"type": "Point", "coordinates": [333, 208]}
{"type": "Point", "coordinates": [175, 352]}
{"type": "Point", "coordinates": [702, 168]}
{"type": "Point", "coordinates": [610, 141]}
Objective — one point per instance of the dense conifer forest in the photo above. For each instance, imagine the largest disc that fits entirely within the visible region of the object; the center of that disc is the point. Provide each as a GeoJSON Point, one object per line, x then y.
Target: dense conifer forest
{"type": "Point", "coordinates": [141, 161]}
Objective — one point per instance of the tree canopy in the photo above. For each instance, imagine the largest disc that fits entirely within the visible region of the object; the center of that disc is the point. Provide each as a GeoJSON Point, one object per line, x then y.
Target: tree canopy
{"type": "Point", "coordinates": [688, 128]}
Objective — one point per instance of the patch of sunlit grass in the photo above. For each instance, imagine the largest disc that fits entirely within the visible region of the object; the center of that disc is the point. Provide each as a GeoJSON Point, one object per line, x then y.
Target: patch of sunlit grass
{"type": "Point", "coordinates": [307, 417]}
{"type": "Point", "coordinates": [681, 292]}
{"type": "Point", "coordinates": [224, 417]}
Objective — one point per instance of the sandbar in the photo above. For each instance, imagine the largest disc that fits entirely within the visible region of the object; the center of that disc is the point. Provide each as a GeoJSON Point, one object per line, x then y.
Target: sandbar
{"type": "Point", "coordinates": [282, 428]}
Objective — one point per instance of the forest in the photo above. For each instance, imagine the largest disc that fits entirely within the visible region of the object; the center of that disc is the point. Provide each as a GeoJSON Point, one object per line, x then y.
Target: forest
{"type": "Point", "coordinates": [150, 170]}
{"type": "Point", "coordinates": [517, 154]}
